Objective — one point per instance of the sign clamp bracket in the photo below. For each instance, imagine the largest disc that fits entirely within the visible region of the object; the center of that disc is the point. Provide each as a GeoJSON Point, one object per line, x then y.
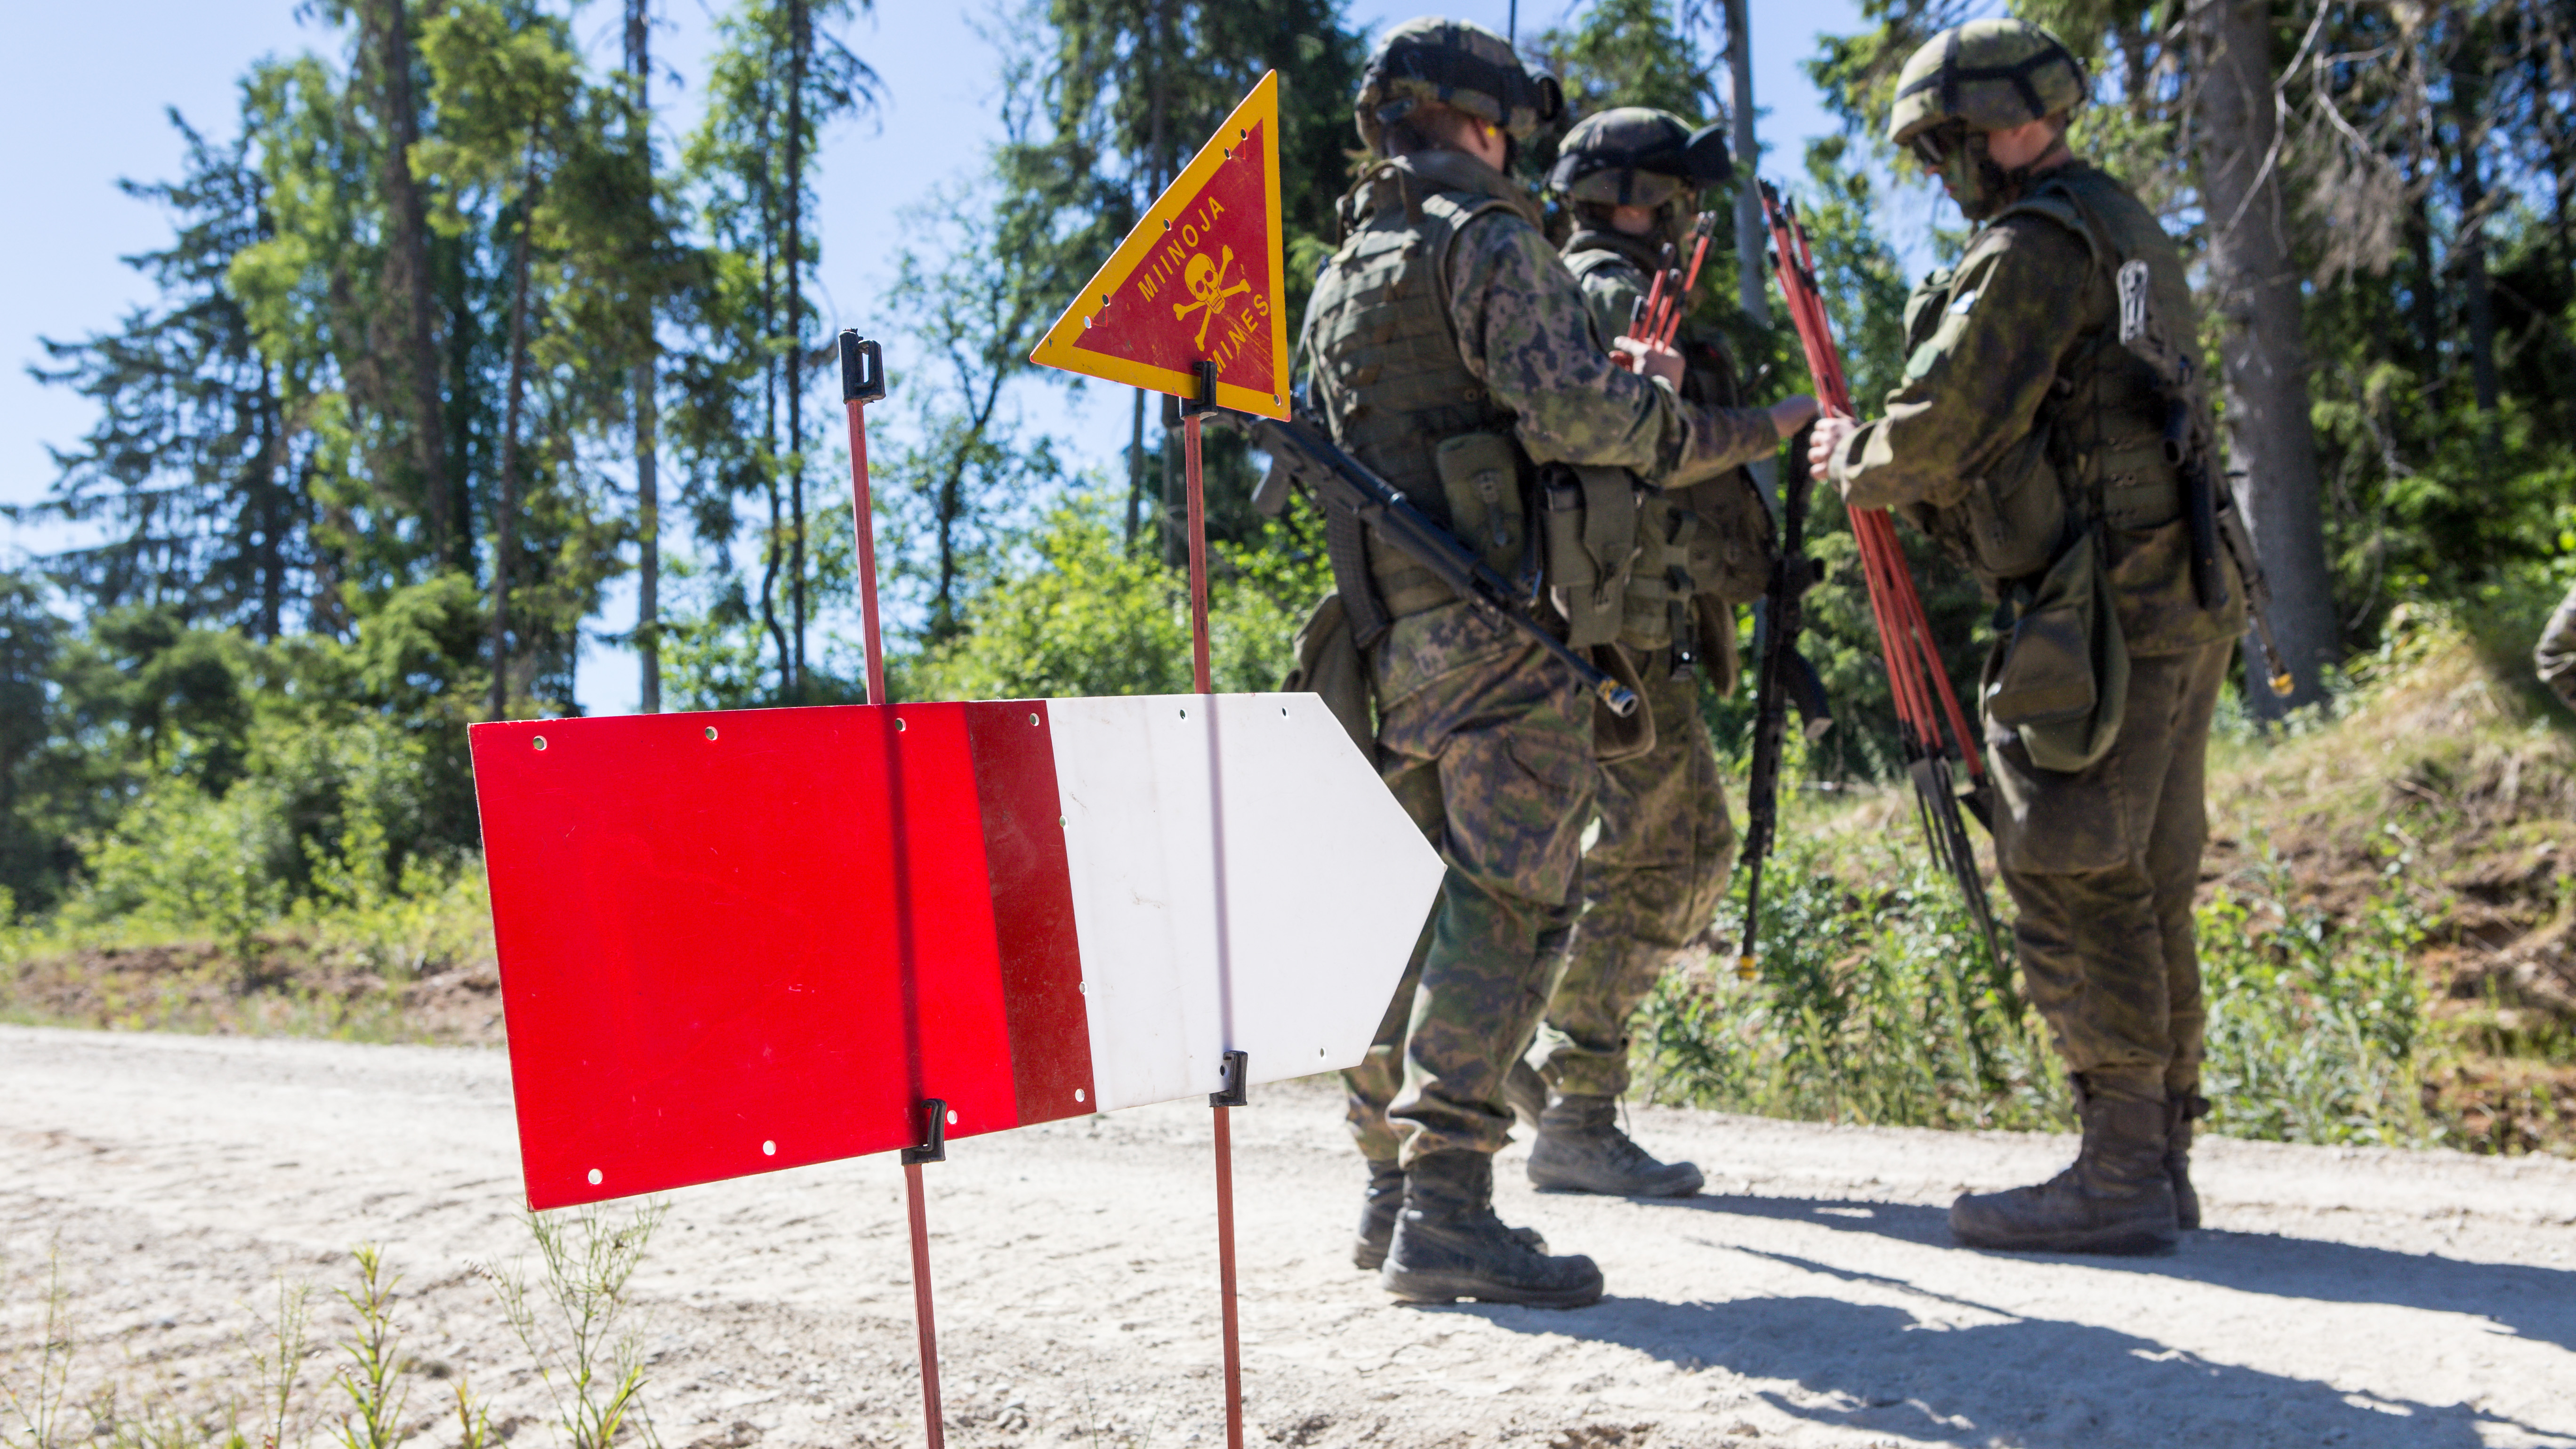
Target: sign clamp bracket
{"type": "Point", "coordinates": [934, 1147]}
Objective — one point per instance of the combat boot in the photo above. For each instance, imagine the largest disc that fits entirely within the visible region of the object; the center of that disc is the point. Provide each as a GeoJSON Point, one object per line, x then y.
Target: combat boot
{"type": "Point", "coordinates": [1378, 1207]}
{"type": "Point", "coordinates": [2179, 1112]}
{"type": "Point", "coordinates": [1581, 1149]}
{"type": "Point", "coordinates": [1525, 1092]}
{"type": "Point", "coordinates": [2115, 1199]}
{"type": "Point", "coordinates": [1449, 1245]}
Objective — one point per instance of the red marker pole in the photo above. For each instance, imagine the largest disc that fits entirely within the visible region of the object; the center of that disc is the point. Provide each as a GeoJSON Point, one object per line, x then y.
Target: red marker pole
{"type": "Point", "coordinates": [863, 382]}
{"type": "Point", "coordinates": [1202, 679]}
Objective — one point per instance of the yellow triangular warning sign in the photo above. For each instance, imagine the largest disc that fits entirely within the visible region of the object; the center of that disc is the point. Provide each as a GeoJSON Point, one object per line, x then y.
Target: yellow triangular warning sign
{"type": "Point", "coordinates": [1197, 280]}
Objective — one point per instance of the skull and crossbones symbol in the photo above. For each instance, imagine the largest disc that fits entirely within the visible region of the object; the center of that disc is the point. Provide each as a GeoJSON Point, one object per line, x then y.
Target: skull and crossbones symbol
{"type": "Point", "coordinates": [1205, 280]}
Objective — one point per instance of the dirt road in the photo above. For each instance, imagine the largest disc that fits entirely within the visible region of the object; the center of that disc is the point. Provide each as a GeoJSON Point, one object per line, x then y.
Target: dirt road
{"type": "Point", "coordinates": [1811, 1298]}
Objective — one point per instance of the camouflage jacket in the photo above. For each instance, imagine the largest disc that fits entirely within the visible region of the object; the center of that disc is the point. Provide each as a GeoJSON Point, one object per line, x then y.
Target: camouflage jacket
{"type": "Point", "coordinates": [2028, 310]}
{"type": "Point", "coordinates": [1525, 331]}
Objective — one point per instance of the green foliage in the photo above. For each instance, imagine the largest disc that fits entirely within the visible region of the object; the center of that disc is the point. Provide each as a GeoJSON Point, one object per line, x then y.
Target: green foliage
{"type": "Point", "coordinates": [373, 1378]}
{"type": "Point", "coordinates": [577, 1322]}
{"type": "Point", "coordinates": [1873, 1003]}
{"type": "Point", "coordinates": [2317, 1030]}
{"type": "Point", "coordinates": [1076, 613]}
{"type": "Point", "coordinates": [43, 1404]}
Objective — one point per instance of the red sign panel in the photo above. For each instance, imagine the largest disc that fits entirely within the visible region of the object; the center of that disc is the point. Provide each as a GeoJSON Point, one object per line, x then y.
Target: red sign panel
{"type": "Point", "coordinates": [743, 941]}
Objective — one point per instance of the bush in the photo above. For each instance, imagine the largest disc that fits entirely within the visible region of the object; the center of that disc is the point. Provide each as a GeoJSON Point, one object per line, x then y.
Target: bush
{"type": "Point", "coordinates": [2315, 1029]}
{"type": "Point", "coordinates": [1872, 1002]}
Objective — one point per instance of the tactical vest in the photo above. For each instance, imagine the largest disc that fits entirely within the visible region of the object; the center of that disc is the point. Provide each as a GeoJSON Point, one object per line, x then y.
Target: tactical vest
{"type": "Point", "coordinates": [1711, 541]}
{"type": "Point", "coordinates": [1387, 374]}
{"type": "Point", "coordinates": [2097, 451]}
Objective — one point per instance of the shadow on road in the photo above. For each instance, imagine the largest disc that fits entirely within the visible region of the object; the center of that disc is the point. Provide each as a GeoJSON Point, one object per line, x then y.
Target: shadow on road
{"type": "Point", "coordinates": [2035, 1383]}
{"type": "Point", "coordinates": [2536, 1303]}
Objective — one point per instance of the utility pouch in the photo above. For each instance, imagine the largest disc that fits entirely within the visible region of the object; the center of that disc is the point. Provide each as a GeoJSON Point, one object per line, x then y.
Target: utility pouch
{"type": "Point", "coordinates": [1480, 475]}
{"type": "Point", "coordinates": [2017, 512]}
{"type": "Point", "coordinates": [1329, 665]}
{"type": "Point", "coordinates": [1713, 621]}
{"type": "Point", "coordinates": [1730, 553]}
{"type": "Point", "coordinates": [2061, 678]}
{"type": "Point", "coordinates": [1591, 523]}
{"type": "Point", "coordinates": [1658, 579]}
{"type": "Point", "coordinates": [1615, 738]}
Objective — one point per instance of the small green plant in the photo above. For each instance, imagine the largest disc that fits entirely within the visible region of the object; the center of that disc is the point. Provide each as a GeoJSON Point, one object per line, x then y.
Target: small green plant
{"type": "Point", "coordinates": [577, 1322]}
{"type": "Point", "coordinates": [373, 1378]}
{"type": "Point", "coordinates": [277, 1359]}
{"type": "Point", "coordinates": [2315, 1029]}
{"type": "Point", "coordinates": [473, 1418]}
{"type": "Point", "coordinates": [43, 1408]}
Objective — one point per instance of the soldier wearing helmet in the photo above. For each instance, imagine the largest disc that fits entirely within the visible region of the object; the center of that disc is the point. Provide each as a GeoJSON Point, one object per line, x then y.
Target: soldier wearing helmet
{"type": "Point", "coordinates": [1452, 352]}
{"type": "Point", "coordinates": [1631, 177]}
{"type": "Point", "coordinates": [2028, 440]}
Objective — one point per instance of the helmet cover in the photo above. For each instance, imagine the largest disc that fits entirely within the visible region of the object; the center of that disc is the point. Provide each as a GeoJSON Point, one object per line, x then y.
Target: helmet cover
{"type": "Point", "coordinates": [1638, 156]}
{"type": "Point", "coordinates": [1456, 64]}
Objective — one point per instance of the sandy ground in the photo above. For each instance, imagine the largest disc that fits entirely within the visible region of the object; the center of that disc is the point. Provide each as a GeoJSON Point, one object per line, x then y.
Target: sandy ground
{"type": "Point", "coordinates": [1811, 1298]}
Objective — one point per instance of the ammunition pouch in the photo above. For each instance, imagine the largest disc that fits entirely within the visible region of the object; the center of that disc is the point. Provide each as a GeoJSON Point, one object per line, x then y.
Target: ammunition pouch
{"type": "Point", "coordinates": [1485, 479]}
{"type": "Point", "coordinates": [2016, 514]}
{"type": "Point", "coordinates": [2060, 677]}
{"type": "Point", "coordinates": [1329, 665]}
{"type": "Point", "coordinates": [1589, 523]}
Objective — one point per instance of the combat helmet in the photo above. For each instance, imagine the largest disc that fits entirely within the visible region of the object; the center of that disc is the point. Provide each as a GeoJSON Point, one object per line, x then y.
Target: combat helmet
{"type": "Point", "coordinates": [1970, 81]}
{"type": "Point", "coordinates": [1986, 75]}
{"type": "Point", "coordinates": [1638, 156]}
{"type": "Point", "coordinates": [1455, 64]}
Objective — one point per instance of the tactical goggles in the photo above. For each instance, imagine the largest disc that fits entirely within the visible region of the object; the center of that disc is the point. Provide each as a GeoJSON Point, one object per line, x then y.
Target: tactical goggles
{"type": "Point", "coordinates": [1934, 145]}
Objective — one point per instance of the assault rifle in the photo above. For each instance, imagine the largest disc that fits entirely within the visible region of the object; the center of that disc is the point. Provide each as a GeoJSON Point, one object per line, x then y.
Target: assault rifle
{"type": "Point", "coordinates": [1353, 495]}
{"type": "Point", "coordinates": [2189, 449]}
{"type": "Point", "coordinates": [1782, 672]}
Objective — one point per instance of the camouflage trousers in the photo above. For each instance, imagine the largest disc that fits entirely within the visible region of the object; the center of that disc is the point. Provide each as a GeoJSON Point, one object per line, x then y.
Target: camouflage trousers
{"type": "Point", "coordinates": [1651, 885]}
{"type": "Point", "coordinates": [1487, 743]}
{"type": "Point", "coordinates": [2102, 863]}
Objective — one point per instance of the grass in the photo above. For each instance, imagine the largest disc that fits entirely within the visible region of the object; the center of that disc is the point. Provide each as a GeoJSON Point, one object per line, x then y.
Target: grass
{"type": "Point", "coordinates": [413, 964]}
{"type": "Point", "coordinates": [2384, 932]}
{"type": "Point", "coordinates": [574, 1318]}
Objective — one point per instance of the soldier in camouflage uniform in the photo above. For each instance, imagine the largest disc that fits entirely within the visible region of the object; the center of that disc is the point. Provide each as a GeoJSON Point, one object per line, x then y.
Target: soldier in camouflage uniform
{"type": "Point", "coordinates": [2028, 440]}
{"type": "Point", "coordinates": [1653, 879]}
{"type": "Point", "coordinates": [2556, 655]}
{"type": "Point", "coordinates": [1444, 332]}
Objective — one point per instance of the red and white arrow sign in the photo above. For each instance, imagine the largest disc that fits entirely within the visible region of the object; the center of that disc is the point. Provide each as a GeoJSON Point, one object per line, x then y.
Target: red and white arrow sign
{"type": "Point", "coordinates": [736, 942]}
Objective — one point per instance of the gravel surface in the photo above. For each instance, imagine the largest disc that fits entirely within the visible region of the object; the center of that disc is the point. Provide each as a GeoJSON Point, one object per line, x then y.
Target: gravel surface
{"type": "Point", "coordinates": [1812, 1297]}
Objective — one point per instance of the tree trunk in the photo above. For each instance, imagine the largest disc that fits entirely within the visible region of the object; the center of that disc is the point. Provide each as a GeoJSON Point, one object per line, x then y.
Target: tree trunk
{"type": "Point", "coordinates": [272, 507]}
{"type": "Point", "coordinates": [1752, 237]}
{"type": "Point", "coordinates": [1135, 469]}
{"type": "Point", "coordinates": [1156, 178]}
{"type": "Point", "coordinates": [2254, 290]}
{"type": "Point", "coordinates": [505, 508]}
{"type": "Point", "coordinates": [406, 274]}
{"type": "Point", "coordinates": [2469, 247]}
{"type": "Point", "coordinates": [648, 491]}
{"type": "Point", "coordinates": [800, 41]}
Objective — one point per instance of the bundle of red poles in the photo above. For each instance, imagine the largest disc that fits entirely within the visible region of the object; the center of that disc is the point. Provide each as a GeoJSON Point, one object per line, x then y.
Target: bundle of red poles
{"type": "Point", "coordinates": [1934, 729]}
{"type": "Point", "coordinates": [1659, 314]}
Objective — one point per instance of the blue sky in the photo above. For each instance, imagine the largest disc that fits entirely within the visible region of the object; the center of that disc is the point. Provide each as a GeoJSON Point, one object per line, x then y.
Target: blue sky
{"type": "Point", "coordinates": [83, 92]}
